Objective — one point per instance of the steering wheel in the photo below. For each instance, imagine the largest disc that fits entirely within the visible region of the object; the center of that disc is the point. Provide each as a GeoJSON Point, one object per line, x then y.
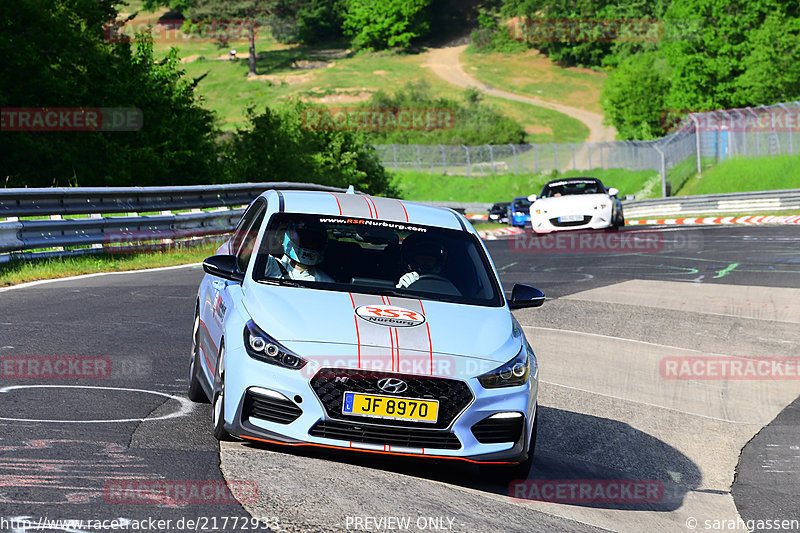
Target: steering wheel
{"type": "Point", "coordinates": [435, 283]}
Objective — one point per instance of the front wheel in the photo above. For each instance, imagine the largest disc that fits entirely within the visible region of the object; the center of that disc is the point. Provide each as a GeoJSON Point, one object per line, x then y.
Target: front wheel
{"type": "Point", "coordinates": [218, 403]}
{"type": "Point", "coordinates": [619, 221]}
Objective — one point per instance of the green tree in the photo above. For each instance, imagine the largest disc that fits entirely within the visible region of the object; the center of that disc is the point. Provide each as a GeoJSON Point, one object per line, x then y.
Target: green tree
{"type": "Point", "coordinates": [771, 70]}
{"type": "Point", "coordinates": [378, 24]}
{"type": "Point", "coordinates": [633, 97]}
{"type": "Point", "coordinates": [277, 145]}
{"type": "Point", "coordinates": [708, 61]}
{"type": "Point", "coordinates": [253, 12]}
{"type": "Point", "coordinates": [588, 32]}
{"type": "Point", "coordinates": [54, 55]}
{"type": "Point", "coordinates": [320, 21]}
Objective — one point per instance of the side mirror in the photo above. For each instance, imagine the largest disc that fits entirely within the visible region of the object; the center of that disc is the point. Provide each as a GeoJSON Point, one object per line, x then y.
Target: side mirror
{"type": "Point", "coordinates": [532, 198]}
{"type": "Point", "coordinates": [613, 192]}
{"type": "Point", "coordinates": [525, 296]}
{"type": "Point", "coordinates": [223, 266]}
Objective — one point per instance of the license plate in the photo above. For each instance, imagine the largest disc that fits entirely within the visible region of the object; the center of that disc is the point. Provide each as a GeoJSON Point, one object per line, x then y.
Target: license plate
{"type": "Point", "coordinates": [570, 218]}
{"type": "Point", "coordinates": [390, 407]}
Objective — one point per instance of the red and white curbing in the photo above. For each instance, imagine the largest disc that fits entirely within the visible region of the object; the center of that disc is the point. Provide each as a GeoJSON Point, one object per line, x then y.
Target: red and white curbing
{"type": "Point", "coordinates": [493, 234]}
{"type": "Point", "coordinates": [747, 220]}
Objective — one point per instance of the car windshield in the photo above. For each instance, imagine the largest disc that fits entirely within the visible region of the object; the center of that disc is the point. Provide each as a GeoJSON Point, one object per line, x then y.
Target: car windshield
{"type": "Point", "coordinates": [521, 203]}
{"type": "Point", "coordinates": [572, 187]}
{"type": "Point", "coordinates": [376, 257]}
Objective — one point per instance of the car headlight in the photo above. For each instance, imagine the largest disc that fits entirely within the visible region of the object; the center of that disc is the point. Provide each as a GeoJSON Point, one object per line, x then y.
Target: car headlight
{"type": "Point", "coordinates": [601, 206]}
{"type": "Point", "coordinates": [264, 348]}
{"type": "Point", "coordinates": [511, 374]}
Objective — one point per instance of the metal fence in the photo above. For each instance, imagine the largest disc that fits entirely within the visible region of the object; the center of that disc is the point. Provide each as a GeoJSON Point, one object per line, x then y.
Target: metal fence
{"type": "Point", "coordinates": [699, 139]}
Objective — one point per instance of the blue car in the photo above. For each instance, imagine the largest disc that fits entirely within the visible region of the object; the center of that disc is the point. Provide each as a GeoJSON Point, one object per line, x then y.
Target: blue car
{"type": "Point", "coordinates": [519, 214]}
{"type": "Point", "coordinates": [361, 323]}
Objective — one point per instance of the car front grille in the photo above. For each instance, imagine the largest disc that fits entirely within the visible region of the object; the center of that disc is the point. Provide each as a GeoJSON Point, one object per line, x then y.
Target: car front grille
{"type": "Point", "coordinates": [494, 430]}
{"type": "Point", "coordinates": [279, 411]}
{"type": "Point", "coordinates": [330, 385]}
{"type": "Point", "coordinates": [382, 435]}
{"type": "Point", "coordinates": [556, 223]}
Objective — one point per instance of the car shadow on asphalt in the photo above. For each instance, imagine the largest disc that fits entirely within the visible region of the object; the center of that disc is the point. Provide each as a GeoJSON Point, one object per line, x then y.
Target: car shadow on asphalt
{"type": "Point", "coordinates": [580, 460]}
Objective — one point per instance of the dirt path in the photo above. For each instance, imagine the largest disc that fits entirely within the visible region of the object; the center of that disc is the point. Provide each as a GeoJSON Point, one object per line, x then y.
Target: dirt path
{"type": "Point", "coordinates": [444, 62]}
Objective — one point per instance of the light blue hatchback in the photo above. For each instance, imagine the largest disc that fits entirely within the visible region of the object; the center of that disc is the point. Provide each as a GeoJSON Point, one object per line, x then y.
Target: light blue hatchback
{"type": "Point", "coordinates": [348, 321]}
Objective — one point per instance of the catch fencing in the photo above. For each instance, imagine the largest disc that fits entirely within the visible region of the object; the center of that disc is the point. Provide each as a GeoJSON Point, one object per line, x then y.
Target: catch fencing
{"type": "Point", "coordinates": [698, 140]}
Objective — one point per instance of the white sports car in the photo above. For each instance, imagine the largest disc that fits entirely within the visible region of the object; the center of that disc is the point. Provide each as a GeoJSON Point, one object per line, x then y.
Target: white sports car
{"type": "Point", "coordinates": [361, 323]}
{"type": "Point", "coordinates": [575, 203]}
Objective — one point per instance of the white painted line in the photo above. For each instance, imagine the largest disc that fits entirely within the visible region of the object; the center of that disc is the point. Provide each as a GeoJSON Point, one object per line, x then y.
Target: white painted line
{"type": "Point", "coordinates": [186, 405]}
{"type": "Point", "coordinates": [759, 424]}
{"type": "Point", "coordinates": [633, 340]}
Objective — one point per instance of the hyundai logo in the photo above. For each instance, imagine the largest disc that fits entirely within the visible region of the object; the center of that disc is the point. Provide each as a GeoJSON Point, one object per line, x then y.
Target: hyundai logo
{"type": "Point", "coordinates": [392, 385]}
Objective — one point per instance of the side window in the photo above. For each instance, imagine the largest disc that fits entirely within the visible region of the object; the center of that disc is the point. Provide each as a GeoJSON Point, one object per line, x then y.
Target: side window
{"type": "Point", "coordinates": [248, 240]}
{"type": "Point", "coordinates": [245, 223]}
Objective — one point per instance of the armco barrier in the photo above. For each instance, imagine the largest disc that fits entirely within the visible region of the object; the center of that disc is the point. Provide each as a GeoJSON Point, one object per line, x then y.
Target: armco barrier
{"type": "Point", "coordinates": [87, 200]}
{"type": "Point", "coordinates": [738, 202]}
{"type": "Point", "coordinates": [27, 239]}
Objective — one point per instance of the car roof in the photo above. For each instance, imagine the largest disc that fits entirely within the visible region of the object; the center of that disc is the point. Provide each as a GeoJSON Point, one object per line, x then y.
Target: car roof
{"type": "Point", "coordinates": [366, 206]}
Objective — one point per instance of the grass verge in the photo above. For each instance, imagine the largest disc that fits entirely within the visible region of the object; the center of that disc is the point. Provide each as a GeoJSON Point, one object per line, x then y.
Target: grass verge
{"type": "Point", "coordinates": [740, 174]}
{"type": "Point", "coordinates": [532, 73]}
{"type": "Point", "coordinates": [333, 76]}
{"type": "Point", "coordinates": [21, 271]}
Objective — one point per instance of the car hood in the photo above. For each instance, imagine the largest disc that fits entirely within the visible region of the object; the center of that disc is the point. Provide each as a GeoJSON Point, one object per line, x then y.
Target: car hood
{"type": "Point", "coordinates": [577, 202]}
{"type": "Point", "coordinates": [296, 316]}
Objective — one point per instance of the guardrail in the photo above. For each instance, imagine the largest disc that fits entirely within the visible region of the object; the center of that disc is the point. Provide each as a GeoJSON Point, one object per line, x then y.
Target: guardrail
{"type": "Point", "coordinates": [27, 238]}
{"type": "Point", "coordinates": [737, 202]}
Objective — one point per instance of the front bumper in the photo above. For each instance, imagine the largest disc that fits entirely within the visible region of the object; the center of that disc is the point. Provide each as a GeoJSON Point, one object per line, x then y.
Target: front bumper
{"type": "Point", "coordinates": [549, 222]}
{"type": "Point", "coordinates": [288, 411]}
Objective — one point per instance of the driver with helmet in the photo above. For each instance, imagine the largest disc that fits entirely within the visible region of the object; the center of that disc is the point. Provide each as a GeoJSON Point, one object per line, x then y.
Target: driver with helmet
{"type": "Point", "coordinates": [303, 249]}
{"type": "Point", "coordinates": [422, 256]}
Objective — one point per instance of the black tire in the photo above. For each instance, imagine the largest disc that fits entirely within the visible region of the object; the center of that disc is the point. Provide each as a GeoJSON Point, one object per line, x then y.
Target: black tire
{"type": "Point", "coordinates": [218, 401]}
{"type": "Point", "coordinates": [196, 392]}
{"type": "Point", "coordinates": [509, 473]}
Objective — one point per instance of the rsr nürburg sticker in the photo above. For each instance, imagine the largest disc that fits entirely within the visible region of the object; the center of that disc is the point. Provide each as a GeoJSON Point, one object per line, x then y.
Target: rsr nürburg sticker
{"type": "Point", "coordinates": [391, 316]}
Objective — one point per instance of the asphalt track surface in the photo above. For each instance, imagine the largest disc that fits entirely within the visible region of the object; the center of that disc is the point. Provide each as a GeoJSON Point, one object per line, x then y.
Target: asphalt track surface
{"type": "Point", "coordinates": [607, 411]}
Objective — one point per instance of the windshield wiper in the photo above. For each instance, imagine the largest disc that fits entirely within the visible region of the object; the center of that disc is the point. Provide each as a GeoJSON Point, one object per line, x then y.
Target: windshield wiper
{"type": "Point", "coordinates": [395, 292]}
